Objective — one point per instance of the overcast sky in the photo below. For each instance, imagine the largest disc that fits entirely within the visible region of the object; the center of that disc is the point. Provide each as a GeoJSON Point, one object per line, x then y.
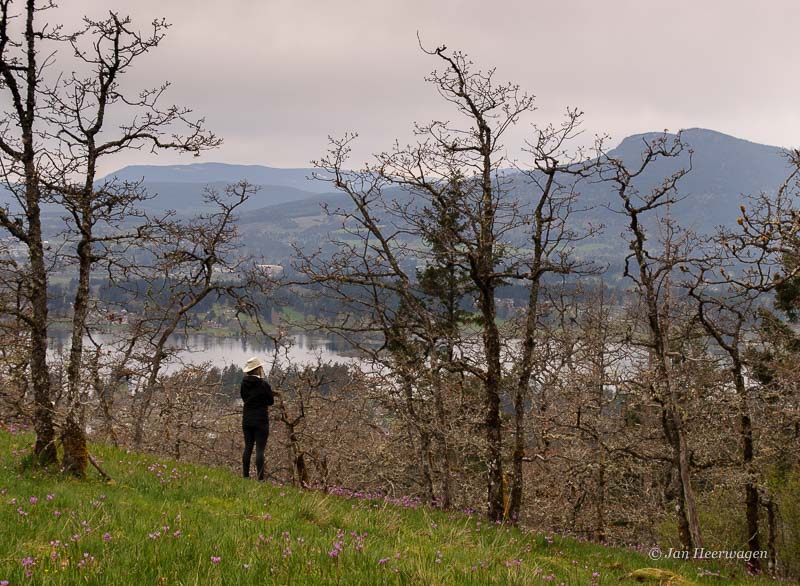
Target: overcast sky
{"type": "Point", "coordinates": [274, 78]}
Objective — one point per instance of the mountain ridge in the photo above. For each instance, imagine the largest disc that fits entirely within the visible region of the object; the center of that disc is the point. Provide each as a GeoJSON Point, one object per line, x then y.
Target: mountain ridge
{"type": "Point", "coordinates": [215, 172]}
{"type": "Point", "coordinates": [724, 169]}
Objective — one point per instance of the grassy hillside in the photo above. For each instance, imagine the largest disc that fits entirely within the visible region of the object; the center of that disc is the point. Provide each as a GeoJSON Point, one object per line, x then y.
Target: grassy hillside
{"type": "Point", "coordinates": [162, 522]}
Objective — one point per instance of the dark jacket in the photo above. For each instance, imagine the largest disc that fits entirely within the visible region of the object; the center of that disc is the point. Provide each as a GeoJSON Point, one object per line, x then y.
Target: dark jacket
{"type": "Point", "coordinates": [257, 396]}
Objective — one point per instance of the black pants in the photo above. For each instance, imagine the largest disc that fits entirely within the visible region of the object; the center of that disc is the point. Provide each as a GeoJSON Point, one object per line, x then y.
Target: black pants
{"type": "Point", "coordinates": [254, 435]}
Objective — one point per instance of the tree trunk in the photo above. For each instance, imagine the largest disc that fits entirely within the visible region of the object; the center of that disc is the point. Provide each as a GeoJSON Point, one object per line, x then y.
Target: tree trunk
{"type": "Point", "coordinates": [300, 467]}
{"type": "Point", "coordinates": [424, 440]}
{"type": "Point", "coordinates": [105, 394]}
{"type": "Point", "coordinates": [750, 488]}
{"type": "Point", "coordinates": [517, 457]}
{"type": "Point", "coordinates": [688, 520]}
{"type": "Point", "coordinates": [425, 463]}
{"type": "Point", "coordinates": [142, 403]}
{"type": "Point", "coordinates": [654, 286]}
{"type": "Point", "coordinates": [492, 384]}
{"type": "Point", "coordinates": [140, 414]}
{"type": "Point", "coordinates": [687, 493]}
{"type": "Point", "coordinates": [599, 448]}
{"type": "Point", "coordinates": [672, 481]}
{"type": "Point", "coordinates": [73, 435]}
{"type": "Point", "coordinates": [44, 448]}
{"type": "Point", "coordinates": [538, 240]}
{"type": "Point", "coordinates": [76, 457]}
{"type": "Point", "coordinates": [521, 394]}
{"type": "Point", "coordinates": [600, 499]}
{"type": "Point", "coordinates": [772, 526]}
{"type": "Point", "coordinates": [446, 499]}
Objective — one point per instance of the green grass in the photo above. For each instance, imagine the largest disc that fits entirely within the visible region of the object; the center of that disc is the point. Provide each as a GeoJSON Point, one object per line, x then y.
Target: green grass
{"type": "Point", "coordinates": [162, 522]}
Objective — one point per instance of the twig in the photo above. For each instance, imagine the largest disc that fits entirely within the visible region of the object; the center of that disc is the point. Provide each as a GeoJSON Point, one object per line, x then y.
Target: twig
{"type": "Point", "coordinates": [105, 476]}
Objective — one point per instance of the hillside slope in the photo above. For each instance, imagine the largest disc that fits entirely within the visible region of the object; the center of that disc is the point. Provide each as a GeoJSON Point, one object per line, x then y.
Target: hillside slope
{"type": "Point", "coordinates": [222, 172]}
{"type": "Point", "coordinates": [724, 170]}
{"type": "Point", "coordinates": [162, 522]}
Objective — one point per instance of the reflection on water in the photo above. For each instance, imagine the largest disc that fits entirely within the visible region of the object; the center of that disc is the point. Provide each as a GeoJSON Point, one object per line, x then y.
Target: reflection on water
{"type": "Point", "coordinates": [221, 352]}
{"type": "Point", "coordinates": [224, 351]}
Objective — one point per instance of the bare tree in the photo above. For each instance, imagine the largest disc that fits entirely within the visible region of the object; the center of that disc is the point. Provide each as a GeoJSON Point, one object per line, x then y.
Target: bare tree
{"type": "Point", "coordinates": [651, 269]}
{"type": "Point", "coordinates": [552, 186]}
{"type": "Point", "coordinates": [99, 215]}
{"type": "Point", "coordinates": [194, 260]}
{"type": "Point", "coordinates": [729, 287]}
{"type": "Point", "coordinates": [451, 191]}
{"type": "Point", "coordinates": [21, 70]}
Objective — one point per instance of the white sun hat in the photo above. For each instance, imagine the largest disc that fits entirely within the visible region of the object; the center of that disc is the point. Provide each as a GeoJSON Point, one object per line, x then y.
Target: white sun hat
{"type": "Point", "coordinates": [252, 364]}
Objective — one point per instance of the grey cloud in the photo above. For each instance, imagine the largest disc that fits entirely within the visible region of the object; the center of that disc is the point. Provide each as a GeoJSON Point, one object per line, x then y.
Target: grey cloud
{"type": "Point", "coordinates": [274, 78]}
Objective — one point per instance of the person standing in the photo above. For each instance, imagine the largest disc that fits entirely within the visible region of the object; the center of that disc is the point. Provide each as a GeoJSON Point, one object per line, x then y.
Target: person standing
{"type": "Point", "coordinates": [257, 396]}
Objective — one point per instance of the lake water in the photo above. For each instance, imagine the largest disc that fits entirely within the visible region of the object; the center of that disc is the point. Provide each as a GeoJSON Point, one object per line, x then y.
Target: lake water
{"type": "Point", "coordinates": [222, 352]}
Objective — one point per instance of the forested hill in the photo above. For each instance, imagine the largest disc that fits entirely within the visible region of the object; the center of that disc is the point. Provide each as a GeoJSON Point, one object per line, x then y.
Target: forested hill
{"type": "Point", "coordinates": [288, 207]}
{"type": "Point", "coordinates": [222, 172]}
{"type": "Point", "coordinates": [180, 187]}
{"type": "Point", "coordinates": [723, 169]}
